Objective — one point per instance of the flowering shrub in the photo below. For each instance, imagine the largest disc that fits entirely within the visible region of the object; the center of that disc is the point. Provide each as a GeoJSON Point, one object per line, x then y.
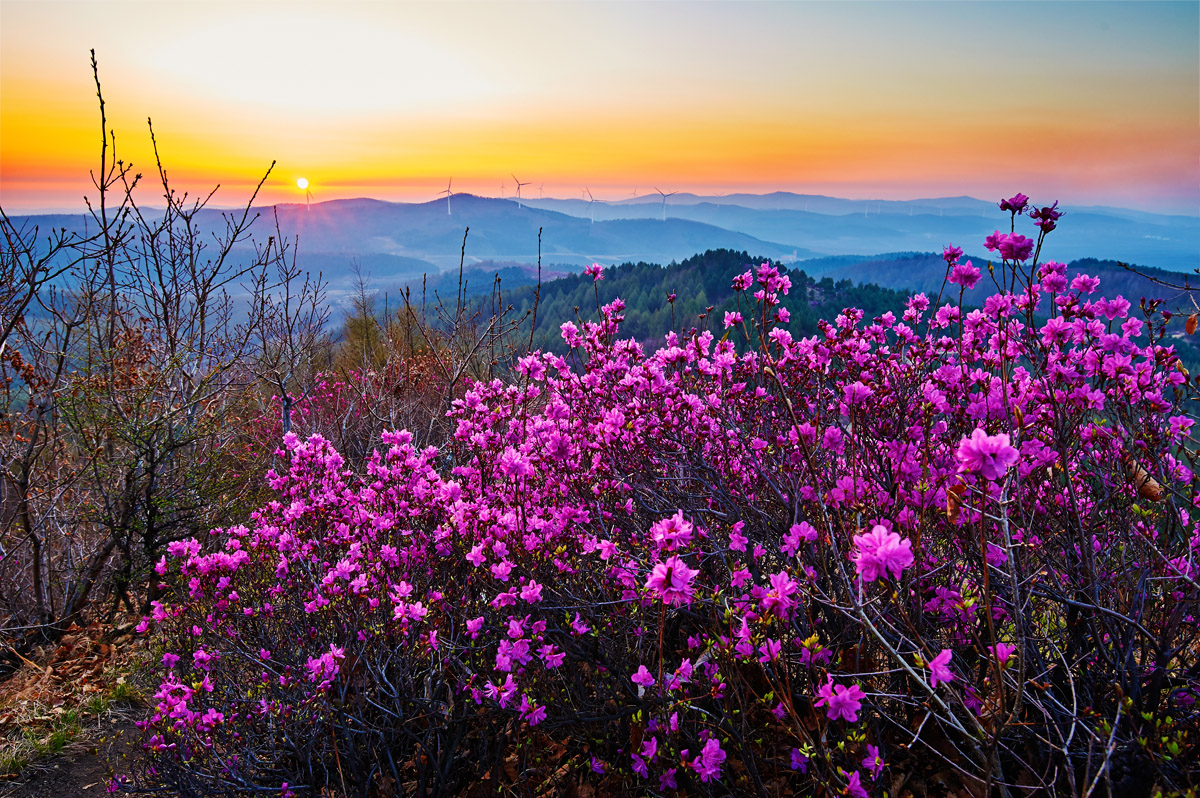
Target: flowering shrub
{"type": "Point", "coordinates": [955, 541]}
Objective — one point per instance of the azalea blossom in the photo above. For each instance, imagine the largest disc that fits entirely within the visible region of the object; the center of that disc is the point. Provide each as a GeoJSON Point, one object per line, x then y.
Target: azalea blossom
{"type": "Point", "coordinates": [738, 541]}
{"type": "Point", "coordinates": [873, 761]}
{"type": "Point", "coordinates": [1016, 247]}
{"type": "Point", "coordinates": [990, 455]}
{"type": "Point", "coordinates": [854, 786]}
{"type": "Point", "coordinates": [672, 533]}
{"type": "Point", "coordinates": [1046, 217]}
{"type": "Point", "coordinates": [779, 598]}
{"type": "Point", "coordinates": [964, 274]}
{"type": "Point", "coordinates": [880, 551]}
{"type": "Point", "coordinates": [642, 677]}
{"type": "Point", "coordinates": [840, 701]}
{"type": "Point", "coordinates": [939, 672]}
{"type": "Point", "coordinates": [1012, 246]}
{"type": "Point", "coordinates": [1002, 652]}
{"type": "Point", "coordinates": [769, 651]}
{"type": "Point", "coordinates": [672, 581]}
{"type": "Point", "coordinates": [708, 764]}
{"type": "Point", "coordinates": [1014, 204]}
{"type": "Point", "coordinates": [532, 592]}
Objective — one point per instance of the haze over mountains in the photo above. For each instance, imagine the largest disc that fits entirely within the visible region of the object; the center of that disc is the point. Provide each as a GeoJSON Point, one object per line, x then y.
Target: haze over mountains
{"type": "Point", "coordinates": [396, 243]}
{"type": "Point", "coordinates": [835, 226]}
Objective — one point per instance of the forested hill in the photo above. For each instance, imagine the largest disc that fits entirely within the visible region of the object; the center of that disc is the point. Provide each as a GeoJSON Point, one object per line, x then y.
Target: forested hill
{"type": "Point", "coordinates": [926, 271]}
{"type": "Point", "coordinates": [699, 283]}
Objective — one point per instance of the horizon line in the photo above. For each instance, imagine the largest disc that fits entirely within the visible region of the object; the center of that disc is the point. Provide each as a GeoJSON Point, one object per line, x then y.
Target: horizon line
{"type": "Point", "coordinates": [630, 200]}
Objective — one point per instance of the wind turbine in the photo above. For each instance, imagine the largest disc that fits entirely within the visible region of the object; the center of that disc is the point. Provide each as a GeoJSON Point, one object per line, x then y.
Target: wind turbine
{"type": "Point", "coordinates": [720, 196]}
{"type": "Point", "coordinates": [664, 201]}
{"type": "Point", "coordinates": [447, 192]}
{"type": "Point", "coordinates": [302, 184]}
{"type": "Point", "coordinates": [519, 184]}
{"type": "Point", "coordinates": [591, 199]}
{"type": "Point", "coordinates": [540, 193]}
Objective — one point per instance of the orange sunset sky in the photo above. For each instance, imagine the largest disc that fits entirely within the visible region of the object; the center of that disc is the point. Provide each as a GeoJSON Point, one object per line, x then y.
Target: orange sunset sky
{"type": "Point", "coordinates": [1089, 103]}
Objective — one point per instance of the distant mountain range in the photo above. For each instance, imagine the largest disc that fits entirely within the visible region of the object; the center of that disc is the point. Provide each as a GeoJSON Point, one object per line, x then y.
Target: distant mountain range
{"type": "Point", "coordinates": [393, 244]}
{"type": "Point", "coordinates": [835, 226]}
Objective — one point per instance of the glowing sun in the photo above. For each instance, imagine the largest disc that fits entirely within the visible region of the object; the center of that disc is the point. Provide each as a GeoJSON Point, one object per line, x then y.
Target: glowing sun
{"type": "Point", "coordinates": [302, 183]}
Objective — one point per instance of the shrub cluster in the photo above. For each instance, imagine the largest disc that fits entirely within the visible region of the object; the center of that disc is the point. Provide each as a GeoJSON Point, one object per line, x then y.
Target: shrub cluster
{"type": "Point", "coordinates": [952, 546]}
{"type": "Point", "coordinates": [133, 345]}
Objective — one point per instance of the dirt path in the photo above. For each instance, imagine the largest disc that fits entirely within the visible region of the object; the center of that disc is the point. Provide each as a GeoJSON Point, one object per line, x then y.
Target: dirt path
{"type": "Point", "coordinates": [82, 769]}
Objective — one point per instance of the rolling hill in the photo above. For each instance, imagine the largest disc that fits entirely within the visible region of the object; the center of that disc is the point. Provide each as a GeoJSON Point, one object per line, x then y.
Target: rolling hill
{"type": "Point", "coordinates": [843, 227]}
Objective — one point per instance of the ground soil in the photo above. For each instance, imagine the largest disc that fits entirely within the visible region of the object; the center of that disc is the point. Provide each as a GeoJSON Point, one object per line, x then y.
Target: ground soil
{"type": "Point", "coordinates": [84, 768]}
{"type": "Point", "coordinates": [90, 672]}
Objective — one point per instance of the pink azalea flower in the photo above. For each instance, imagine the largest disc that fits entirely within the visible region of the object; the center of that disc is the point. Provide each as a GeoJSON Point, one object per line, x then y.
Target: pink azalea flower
{"type": "Point", "coordinates": [800, 532]}
{"type": "Point", "coordinates": [1015, 247]}
{"type": "Point", "coordinates": [708, 764]}
{"type": "Point", "coordinates": [840, 701]}
{"type": "Point", "coordinates": [513, 464]}
{"type": "Point", "coordinates": [551, 656]}
{"type": "Point", "coordinates": [779, 598]}
{"type": "Point", "coordinates": [672, 581]}
{"type": "Point", "coordinates": [530, 712]}
{"type": "Point", "coordinates": [1085, 283]}
{"type": "Point", "coordinates": [873, 761]}
{"type": "Point", "coordinates": [990, 455]}
{"type": "Point", "coordinates": [570, 334]}
{"type": "Point", "coordinates": [642, 677]}
{"type": "Point", "coordinates": [1046, 217]}
{"type": "Point", "coordinates": [856, 393]}
{"type": "Point", "coordinates": [880, 551]}
{"type": "Point", "coordinates": [964, 274]}
{"type": "Point", "coordinates": [854, 786]}
{"type": "Point", "coordinates": [1002, 652]}
{"type": "Point", "coordinates": [938, 670]}
{"type": "Point", "coordinates": [672, 533]}
{"type": "Point", "coordinates": [532, 592]}
{"type": "Point", "coordinates": [769, 651]}
{"type": "Point", "coordinates": [1015, 204]}
{"type": "Point", "coordinates": [737, 541]}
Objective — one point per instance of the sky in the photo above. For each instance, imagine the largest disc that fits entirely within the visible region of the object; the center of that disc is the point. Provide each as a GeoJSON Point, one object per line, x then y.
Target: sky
{"type": "Point", "coordinates": [1086, 102]}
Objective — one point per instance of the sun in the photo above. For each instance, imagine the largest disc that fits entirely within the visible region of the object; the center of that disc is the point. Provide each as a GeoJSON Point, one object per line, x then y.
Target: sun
{"type": "Point", "coordinates": [302, 183]}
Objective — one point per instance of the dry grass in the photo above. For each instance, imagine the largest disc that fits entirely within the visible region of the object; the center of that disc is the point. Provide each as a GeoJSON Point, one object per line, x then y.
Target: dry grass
{"type": "Point", "coordinates": [67, 697]}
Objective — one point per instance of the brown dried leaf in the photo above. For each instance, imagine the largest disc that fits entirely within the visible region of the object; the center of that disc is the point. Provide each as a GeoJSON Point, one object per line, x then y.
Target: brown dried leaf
{"type": "Point", "coordinates": [1147, 487]}
{"type": "Point", "coordinates": [954, 495]}
{"type": "Point", "coordinates": [1190, 327]}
